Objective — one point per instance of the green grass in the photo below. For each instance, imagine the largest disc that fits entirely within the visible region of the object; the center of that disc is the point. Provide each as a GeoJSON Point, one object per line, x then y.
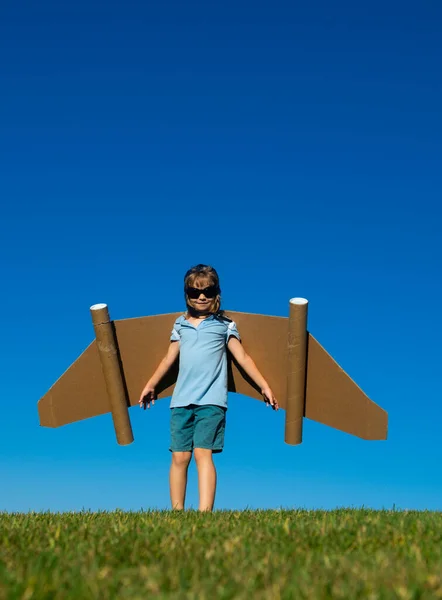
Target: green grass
{"type": "Point", "coordinates": [262, 554]}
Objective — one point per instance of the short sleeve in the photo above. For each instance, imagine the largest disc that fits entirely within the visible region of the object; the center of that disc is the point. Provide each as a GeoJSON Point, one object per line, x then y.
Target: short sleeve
{"type": "Point", "coordinates": [175, 333]}
{"type": "Point", "coordinates": [232, 330]}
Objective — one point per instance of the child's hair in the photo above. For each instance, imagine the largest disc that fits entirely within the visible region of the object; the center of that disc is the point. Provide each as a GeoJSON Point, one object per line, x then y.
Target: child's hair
{"type": "Point", "coordinates": [204, 274]}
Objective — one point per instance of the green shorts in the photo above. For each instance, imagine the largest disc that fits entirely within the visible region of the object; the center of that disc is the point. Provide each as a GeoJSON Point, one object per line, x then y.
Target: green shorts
{"type": "Point", "coordinates": [197, 426]}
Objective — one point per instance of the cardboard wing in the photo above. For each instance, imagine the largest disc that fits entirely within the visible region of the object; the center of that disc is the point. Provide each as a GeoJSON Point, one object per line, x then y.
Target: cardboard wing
{"type": "Point", "coordinates": [304, 378]}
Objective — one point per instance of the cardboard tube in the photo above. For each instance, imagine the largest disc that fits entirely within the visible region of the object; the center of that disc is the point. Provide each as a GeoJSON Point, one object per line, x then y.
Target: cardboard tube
{"type": "Point", "coordinates": [296, 370]}
{"type": "Point", "coordinates": [110, 364]}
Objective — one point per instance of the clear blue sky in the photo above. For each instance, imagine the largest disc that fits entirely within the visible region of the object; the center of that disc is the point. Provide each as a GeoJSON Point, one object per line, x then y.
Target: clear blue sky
{"type": "Point", "coordinates": [296, 147]}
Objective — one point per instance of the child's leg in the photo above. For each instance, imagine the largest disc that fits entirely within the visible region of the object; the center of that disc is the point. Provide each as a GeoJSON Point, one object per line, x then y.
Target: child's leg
{"type": "Point", "coordinates": [206, 478]}
{"type": "Point", "coordinates": [178, 478]}
{"type": "Point", "coordinates": [181, 433]}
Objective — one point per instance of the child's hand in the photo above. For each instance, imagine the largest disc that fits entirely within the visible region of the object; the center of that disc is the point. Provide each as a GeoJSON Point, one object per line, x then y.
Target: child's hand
{"type": "Point", "coordinates": [147, 396]}
{"type": "Point", "coordinates": [269, 397]}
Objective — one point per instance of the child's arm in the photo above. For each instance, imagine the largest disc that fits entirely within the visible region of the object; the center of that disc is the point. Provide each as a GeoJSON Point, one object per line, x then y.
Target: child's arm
{"type": "Point", "coordinates": [148, 393]}
{"type": "Point", "coordinates": [245, 361]}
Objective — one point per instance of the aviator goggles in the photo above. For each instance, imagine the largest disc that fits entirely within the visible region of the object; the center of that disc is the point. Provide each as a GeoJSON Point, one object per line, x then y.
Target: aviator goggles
{"type": "Point", "coordinates": [209, 292]}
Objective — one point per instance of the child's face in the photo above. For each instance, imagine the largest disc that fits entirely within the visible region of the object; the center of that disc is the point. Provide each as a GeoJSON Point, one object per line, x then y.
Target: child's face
{"type": "Point", "coordinates": [202, 303]}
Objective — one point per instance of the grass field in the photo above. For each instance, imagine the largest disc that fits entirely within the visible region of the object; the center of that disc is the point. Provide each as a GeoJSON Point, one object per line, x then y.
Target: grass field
{"type": "Point", "coordinates": [287, 554]}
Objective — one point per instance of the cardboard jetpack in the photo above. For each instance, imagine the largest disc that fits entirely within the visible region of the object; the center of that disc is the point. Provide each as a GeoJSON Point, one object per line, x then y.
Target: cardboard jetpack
{"type": "Point", "coordinates": [111, 373]}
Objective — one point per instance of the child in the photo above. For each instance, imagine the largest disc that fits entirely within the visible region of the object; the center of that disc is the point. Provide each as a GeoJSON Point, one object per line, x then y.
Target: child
{"type": "Point", "coordinates": [199, 401]}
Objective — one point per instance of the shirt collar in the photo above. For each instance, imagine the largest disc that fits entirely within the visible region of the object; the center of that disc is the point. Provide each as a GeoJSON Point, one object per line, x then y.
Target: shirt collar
{"type": "Point", "coordinates": [209, 318]}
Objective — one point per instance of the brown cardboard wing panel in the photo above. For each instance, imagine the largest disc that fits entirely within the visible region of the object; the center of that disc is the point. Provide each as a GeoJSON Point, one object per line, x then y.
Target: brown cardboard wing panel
{"type": "Point", "coordinates": [80, 393]}
{"type": "Point", "coordinates": [142, 343]}
{"type": "Point", "coordinates": [334, 399]}
{"type": "Point", "coordinates": [264, 337]}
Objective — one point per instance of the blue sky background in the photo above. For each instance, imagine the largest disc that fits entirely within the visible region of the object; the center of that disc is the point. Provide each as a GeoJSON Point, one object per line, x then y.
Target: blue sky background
{"type": "Point", "coordinates": [294, 146]}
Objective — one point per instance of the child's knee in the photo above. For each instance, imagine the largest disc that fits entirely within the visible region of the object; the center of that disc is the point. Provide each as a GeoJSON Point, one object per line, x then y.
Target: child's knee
{"type": "Point", "coordinates": [181, 459]}
{"type": "Point", "coordinates": [203, 454]}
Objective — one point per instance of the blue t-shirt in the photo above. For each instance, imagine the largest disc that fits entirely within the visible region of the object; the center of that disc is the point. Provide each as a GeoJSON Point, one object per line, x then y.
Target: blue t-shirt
{"type": "Point", "coordinates": [202, 375]}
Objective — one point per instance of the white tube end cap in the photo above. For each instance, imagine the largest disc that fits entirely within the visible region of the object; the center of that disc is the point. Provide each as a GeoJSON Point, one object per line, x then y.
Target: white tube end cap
{"type": "Point", "coordinates": [98, 306]}
{"type": "Point", "coordinates": [298, 301]}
